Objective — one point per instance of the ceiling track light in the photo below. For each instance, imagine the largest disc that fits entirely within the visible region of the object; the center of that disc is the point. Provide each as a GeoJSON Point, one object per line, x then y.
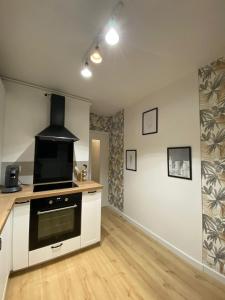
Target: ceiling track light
{"type": "Point", "coordinates": [111, 37]}
{"type": "Point", "coordinates": [86, 71]}
{"type": "Point", "coordinates": [96, 56]}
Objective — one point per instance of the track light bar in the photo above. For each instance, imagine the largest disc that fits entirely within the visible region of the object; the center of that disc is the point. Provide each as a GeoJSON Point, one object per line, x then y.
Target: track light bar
{"type": "Point", "coordinates": [110, 36]}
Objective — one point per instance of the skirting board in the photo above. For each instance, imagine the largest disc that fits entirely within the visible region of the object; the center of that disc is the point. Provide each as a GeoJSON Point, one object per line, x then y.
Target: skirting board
{"type": "Point", "coordinates": [5, 288]}
{"type": "Point", "coordinates": [195, 263]}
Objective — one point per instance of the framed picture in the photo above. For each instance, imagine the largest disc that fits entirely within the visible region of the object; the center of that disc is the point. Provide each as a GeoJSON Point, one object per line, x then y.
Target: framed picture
{"type": "Point", "coordinates": [179, 162]}
{"type": "Point", "coordinates": [150, 121]}
{"type": "Point", "coordinates": [131, 160]}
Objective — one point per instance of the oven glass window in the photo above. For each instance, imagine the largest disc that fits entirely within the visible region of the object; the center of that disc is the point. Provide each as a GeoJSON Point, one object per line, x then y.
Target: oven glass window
{"type": "Point", "coordinates": [53, 224]}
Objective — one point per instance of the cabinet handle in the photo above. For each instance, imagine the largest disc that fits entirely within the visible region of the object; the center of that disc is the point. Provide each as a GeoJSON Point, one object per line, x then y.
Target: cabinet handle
{"type": "Point", "coordinates": [22, 202]}
{"type": "Point", "coordinates": [54, 247]}
{"type": "Point", "coordinates": [0, 244]}
{"type": "Point", "coordinates": [92, 192]}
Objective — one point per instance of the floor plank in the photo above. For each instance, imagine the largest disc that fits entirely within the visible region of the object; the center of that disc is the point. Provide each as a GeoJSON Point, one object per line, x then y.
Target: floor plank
{"type": "Point", "coordinates": [127, 265]}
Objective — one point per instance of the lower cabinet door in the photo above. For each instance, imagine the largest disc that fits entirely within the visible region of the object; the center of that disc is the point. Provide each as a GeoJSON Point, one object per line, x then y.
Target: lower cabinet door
{"type": "Point", "coordinates": [52, 251]}
{"type": "Point", "coordinates": [5, 256]}
{"type": "Point", "coordinates": [21, 217]}
{"type": "Point", "coordinates": [91, 219]}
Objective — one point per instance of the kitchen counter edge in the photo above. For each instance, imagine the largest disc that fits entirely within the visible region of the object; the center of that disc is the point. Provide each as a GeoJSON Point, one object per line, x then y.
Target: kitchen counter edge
{"type": "Point", "coordinates": [7, 201]}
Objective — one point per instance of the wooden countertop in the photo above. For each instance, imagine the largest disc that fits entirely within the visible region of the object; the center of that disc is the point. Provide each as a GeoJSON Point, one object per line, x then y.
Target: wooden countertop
{"type": "Point", "coordinates": [7, 200]}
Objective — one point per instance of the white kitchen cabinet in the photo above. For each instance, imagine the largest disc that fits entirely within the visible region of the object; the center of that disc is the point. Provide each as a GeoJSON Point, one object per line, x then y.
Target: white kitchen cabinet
{"type": "Point", "coordinates": [21, 216]}
{"type": "Point", "coordinates": [5, 255]}
{"type": "Point", "coordinates": [91, 218]}
{"type": "Point", "coordinates": [52, 251]}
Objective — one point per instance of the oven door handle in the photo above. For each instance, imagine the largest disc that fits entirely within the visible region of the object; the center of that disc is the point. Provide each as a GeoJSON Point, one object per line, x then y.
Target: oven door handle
{"type": "Point", "coordinates": [57, 209]}
{"type": "Point", "coordinates": [55, 247]}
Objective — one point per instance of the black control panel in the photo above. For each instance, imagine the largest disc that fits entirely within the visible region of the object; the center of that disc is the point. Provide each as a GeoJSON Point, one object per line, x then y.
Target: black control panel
{"type": "Point", "coordinates": [56, 202]}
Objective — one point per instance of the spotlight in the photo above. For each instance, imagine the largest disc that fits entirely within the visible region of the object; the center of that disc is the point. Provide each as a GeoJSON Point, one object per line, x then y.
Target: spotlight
{"type": "Point", "coordinates": [86, 72]}
{"type": "Point", "coordinates": [112, 36]}
{"type": "Point", "coordinates": [96, 56]}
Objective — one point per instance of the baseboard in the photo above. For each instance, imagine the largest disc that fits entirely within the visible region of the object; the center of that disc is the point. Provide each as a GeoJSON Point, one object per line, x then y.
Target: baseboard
{"type": "Point", "coordinates": [214, 274]}
{"type": "Point", "coordinates": [5, 288]}
{"type": "Point", "coordinates": [189, 259]}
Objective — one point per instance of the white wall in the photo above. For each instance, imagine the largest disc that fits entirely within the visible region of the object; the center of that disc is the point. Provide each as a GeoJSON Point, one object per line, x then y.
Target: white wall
{"type": "Point", "coordinates": [169, 207]}
{"type": "Point", "coordinates": [28, 112]}
{"type": "Point", "coordinates": [2, 110]}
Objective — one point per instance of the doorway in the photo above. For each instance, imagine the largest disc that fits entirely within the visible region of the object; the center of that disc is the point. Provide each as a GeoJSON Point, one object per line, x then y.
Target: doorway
{"type": "Point", "coordinates": [95, 159]}
{"type": "Point", "coordinates": [99, 158]}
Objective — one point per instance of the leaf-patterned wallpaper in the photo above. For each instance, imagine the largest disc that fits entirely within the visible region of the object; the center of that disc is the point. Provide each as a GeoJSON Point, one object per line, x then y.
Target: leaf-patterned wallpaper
{"type": "Point", "coordinates": [100, 123]}
{"type": "Point", "coordinates": [212, 119]}
{"type": "Point", "coordinates": [115, 126]}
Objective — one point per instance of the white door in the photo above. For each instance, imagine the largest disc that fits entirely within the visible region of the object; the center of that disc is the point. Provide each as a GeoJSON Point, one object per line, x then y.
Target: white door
{"type": "Point", "coordinates": [99, 160]}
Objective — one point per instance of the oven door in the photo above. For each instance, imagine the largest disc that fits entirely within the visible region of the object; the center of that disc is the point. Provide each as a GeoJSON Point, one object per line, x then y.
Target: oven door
{"type": "Point", "coordinates": [54, 222]}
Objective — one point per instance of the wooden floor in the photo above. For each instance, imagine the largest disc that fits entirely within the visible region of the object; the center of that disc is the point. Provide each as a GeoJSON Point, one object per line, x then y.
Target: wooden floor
{"type": "Point", "coordinates": [127, 265]}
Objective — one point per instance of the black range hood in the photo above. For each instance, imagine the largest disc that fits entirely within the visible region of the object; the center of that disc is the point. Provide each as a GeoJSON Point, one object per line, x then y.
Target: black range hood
{"type": "Point", "coordinates": [56, 131]}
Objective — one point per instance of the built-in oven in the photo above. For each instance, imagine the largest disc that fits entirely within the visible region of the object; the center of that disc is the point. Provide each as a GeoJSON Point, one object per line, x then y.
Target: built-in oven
{"type": "Point", "coordinates": [54, 219]}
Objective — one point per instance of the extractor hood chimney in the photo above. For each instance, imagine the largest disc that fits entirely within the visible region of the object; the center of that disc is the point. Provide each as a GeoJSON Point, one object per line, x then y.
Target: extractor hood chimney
{"type": "Point", "coordinates": [56, 131]}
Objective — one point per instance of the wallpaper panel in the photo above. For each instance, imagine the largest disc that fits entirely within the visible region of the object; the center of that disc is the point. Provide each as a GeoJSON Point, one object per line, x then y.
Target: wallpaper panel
{"type": "Point", "coordinates": [212, 119]}
{"type": "Point", "coordinates": [101, 123]}
{"type": "Point", "coordinates": [115, 126]}
{"type": "Point", "coordinates": [116, 160]}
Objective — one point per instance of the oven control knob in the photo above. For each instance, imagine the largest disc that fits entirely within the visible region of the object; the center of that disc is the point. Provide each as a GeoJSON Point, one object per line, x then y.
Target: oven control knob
{"type": "Point", "coordinates": [66, 199]}
{"type": "Point", "coordinates": [50, 202]}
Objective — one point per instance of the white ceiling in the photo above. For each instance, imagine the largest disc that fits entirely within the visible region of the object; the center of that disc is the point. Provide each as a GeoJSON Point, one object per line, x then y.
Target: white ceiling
{"type": "Point", "coordinates": [43, 42]}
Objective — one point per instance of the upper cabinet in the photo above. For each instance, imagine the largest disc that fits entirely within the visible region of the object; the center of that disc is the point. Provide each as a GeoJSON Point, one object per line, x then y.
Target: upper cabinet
{"type": "Point", "coordinates": [77, 115]}
{"type": "Point", "coordinates": [2, 112]}
{"type": "Point", "coordinates": [18, 97]}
